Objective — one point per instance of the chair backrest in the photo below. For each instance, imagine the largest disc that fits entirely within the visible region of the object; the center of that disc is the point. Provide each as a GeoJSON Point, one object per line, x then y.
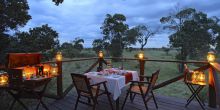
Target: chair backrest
{"type": "Point", "coordinates": [153, 81]}
{"type": "Point", "coordinates": [81, 82]}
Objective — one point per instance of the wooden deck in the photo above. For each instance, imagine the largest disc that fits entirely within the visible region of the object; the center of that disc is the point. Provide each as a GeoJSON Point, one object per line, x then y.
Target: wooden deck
{"type": "Point", "coordinates": [164, 103]}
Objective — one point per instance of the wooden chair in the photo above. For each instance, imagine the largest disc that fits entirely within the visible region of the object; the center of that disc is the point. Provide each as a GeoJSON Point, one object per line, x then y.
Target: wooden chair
{"type": "Point", "coordinates": [143, 88]}
{"type": "Point", "coordinates": [85, 89]}
{"type": "Point", "coordinates": [32, 89]}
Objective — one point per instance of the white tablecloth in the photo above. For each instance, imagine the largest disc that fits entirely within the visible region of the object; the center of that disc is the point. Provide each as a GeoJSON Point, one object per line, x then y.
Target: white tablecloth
{"type": "Point", "coordinates": [115, 83]}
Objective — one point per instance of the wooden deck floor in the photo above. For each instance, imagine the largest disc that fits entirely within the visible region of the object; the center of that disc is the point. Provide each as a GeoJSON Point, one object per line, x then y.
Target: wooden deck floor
{"type": "Point", "coordinates": [164, 103]}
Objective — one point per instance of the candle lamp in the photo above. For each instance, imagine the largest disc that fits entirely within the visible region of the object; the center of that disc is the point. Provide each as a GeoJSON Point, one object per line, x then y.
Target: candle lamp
{"type": "Point", "coordinates": [46, 69]}
{"type": "Point", "coordinates": [54, 70]}
{"type": "Point", "coordinates": [59, 56]}
{"type": "Point", "coordinates": [29, 72]}
{"type": "Point", "coordinates": [211, 57]}
{"type": "Point", "coordinates": [141, 55]}
{"type": "Point", "coordinates": [198, 77]}
{"type": "Point", "coordinates": [3, 79]}
{"type": "Point", "coordinates": [101, 55]}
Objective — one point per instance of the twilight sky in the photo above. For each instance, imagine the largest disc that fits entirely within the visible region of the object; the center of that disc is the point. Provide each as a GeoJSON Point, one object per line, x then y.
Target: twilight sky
{"type": "Point", "coordinates": [83, 18]}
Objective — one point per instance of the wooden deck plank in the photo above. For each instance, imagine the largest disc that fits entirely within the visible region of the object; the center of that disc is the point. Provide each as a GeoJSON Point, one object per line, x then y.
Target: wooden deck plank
{"type": "Point", "coordinates": [164, 103]}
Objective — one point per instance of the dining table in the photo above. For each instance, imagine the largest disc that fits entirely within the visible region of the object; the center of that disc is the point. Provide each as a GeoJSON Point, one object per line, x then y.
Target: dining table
{"type": "Point", "coordinates": [117, 79]}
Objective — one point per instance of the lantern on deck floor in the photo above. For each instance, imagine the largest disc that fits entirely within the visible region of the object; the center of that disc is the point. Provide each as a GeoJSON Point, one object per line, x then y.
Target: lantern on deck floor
{"type": "Point", "coordinates": [101, 55]}
{"type": "Point", "coordinates": [3, 79]}
{"type": "Point", "coordinates": [198, 77]}
{"type": "Point", "coordinates": [211, 57]}
{"type": "Point", "coordinates": [29, 72]}
{"type": "Point", "coordinates": [141, 55]}
{"type": "Point", "coordinates": [59, 56]}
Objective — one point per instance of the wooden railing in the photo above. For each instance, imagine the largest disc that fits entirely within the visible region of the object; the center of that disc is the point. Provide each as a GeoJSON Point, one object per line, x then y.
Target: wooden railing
{"type": "Point", "coordinates": [214, 84]}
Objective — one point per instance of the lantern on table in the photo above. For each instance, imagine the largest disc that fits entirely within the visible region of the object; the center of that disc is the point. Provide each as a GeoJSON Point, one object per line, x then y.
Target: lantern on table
{"type": "Point", "coordinates": [59, 56]}
{"type": "Point", "coordinates": [29, 72]}
{"type": "Point", "coordinates": [54, 70]}
{"type": "Point", "coordinates": [46, 69]}
{"type": "Point", "coordinates": [211, 57]}
{"type": "Point", "coordinates": [198, 77]}
{"type": "Point", "coordinates": [3, 79]}
{"type": "Point", "coordinates": [141, 55]}
{"type": "Point", "coordinates": [101, 55]}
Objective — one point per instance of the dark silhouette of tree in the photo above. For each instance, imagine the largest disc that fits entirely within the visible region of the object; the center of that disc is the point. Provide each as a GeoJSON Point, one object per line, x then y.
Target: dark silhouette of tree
{"type": "Point", "coordinates": [114, 29]}
{"type": "Point", "coordinates": [13, 14]}
{"type": "Point", "coordinates": [78, 43]}
{"type": "Point", "coordinates": [97, 45]}
{"type": "Point", "coordinates": [38, 39]}
{"type": "Point", "coordinates": [143, 34]}
{"type": "Point", "coordinates": [191, 33]}
{"type": "Point", "coordinates": [57, 2]}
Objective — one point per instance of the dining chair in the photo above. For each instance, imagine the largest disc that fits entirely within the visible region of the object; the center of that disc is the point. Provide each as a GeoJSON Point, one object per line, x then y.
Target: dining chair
{"type": "Point", "coordinates": [143, 88]}
{"type": "Point", "coordinates": [90, 91]}
{"type": "Point", "coordinates": [31, 89]}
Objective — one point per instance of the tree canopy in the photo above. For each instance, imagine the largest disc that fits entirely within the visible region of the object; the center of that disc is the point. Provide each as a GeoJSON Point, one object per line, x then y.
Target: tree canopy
{"type": "Point", "coordinates": [13, 14]}
{"type": "Point", "coordinates": [114, 29]}
{"type": "Point", "coordinates": [192, 32]}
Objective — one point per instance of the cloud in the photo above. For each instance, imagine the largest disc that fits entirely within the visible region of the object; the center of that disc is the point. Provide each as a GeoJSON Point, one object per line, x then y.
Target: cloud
{"type": "Point", "coordinates": [83, 18]}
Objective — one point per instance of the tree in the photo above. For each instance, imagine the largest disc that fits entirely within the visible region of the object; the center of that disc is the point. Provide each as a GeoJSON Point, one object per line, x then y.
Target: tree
{"type": "Point", "coordinates": [13, 14]}
{"type": "Point", "coordinates": [191, 34]}
{"type": "Point", "coordinates": [114, 29]}
{"type": "Point", "coordinates": [78, 43]}
{"type": "Point", "coordinates": [38, 39]}
{"type": "Point", "coordinates": [97, 45]}
{"type": "Point", "coordinates": [143, 34]}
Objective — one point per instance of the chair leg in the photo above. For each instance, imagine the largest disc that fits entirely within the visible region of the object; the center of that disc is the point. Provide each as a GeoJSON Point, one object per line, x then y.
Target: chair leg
{"type": "Point", "coordinates": [12, 105]}
{"type": "Point", "coordinates": [133, 97]}
{"type": "Point", "coordinates": [22, 104]}
{"type": "Point", "coordinates": [77, 101]}
{"type": "Point", "coordinates": [125, 100]}
{"type": "Point", "coordinates": [110, 102]}
{"type": "Point", "coordinates": [89, 100]}
{"type": "Point", "coordinates": [155, 102]}
{"type": "Point", "coordinates": [145, 103]}
{"type": "Point", "coordinates": [38, 105]}
{"type": "Point", "coordinates": [44, 105]}
{"type": "Point", "coordinates": [94, 103]}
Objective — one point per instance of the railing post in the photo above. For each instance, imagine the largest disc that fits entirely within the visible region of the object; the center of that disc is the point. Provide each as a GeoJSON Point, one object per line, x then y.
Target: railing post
{"type": "Point", "coordinates": [142, 63]}
{"type": "Point", "coordinates": [100, 67]}
{"type": "Point", "coordinates": [212, 93]}
{"type": "Point", "coordinates": [59, 79]}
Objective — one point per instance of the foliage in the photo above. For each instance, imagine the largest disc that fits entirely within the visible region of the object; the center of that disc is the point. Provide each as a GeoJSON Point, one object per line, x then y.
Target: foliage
{"type": "Point", "coordinates": [72, 49]}
{"type": "Point", "coordinates": [78, 43]}
{"type": "Point", "coordinates": [38, 39]}
{"type": "Point", "coordinates": [114, 29]}
{"type": "Point", "coordinates": [13, 14]}
{"type": "Point", "coordinates": [57, 2]}
{"type": "Point", "coordinates": [143, 33]}
{"type": "Point", "coordinates": [192, 32]}
{"type": "Point", "coordinates": [97, 45]}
